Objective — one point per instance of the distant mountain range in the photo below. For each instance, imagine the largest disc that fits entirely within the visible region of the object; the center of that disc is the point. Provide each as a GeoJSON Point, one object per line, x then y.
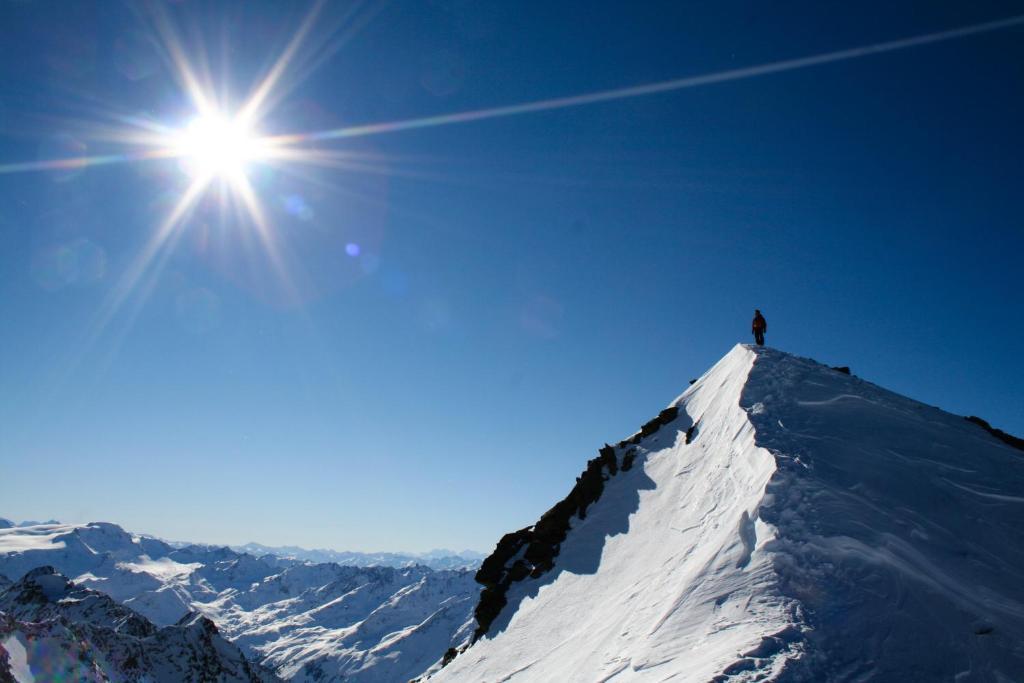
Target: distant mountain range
{"type": "Point", "coordinates": [440, 558]}
{"type": "Point", "coordinates": [304, 621]}
{"type": "Point", "coordinates": [435, 559]}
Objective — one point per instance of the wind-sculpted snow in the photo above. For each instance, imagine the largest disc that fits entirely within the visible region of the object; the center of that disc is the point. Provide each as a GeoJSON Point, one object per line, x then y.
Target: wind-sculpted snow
{"type": "Point", "coordinates": [799, 525]}
{"type": "Point", "coordinates": [900, 528]}
{"type": "Point", "coordinates": [307, 621]}
{"type": "Point", "coordinates": [666, 575]}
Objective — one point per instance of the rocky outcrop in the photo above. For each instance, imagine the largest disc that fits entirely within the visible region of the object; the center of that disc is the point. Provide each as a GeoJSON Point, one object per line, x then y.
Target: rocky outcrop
{"type": "Point", "coordinates": [652, 426]}
{"type": "Point", "coordinates": [1008, 439]}
{"type": "Point", "coordinates": [531, 552]}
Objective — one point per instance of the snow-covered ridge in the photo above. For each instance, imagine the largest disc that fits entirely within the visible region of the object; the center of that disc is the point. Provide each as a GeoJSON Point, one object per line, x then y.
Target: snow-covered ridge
{"type": "Point", "coordinates": [792, 523]}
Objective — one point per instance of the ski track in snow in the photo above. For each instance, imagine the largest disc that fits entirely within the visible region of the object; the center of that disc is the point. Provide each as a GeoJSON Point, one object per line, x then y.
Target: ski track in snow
{"type": "Point", "coordinates": [816, 528]}
{"type": "Point", "coordinates": [991, 496]}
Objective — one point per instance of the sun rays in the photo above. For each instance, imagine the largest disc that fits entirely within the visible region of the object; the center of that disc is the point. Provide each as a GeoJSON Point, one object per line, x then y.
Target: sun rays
{"type": "Point", "coordinates": [221, 144]}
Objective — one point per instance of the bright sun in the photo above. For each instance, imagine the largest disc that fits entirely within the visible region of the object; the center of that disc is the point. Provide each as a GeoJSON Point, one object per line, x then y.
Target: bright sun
{"type": "Point", "coordinates": [214, 145]}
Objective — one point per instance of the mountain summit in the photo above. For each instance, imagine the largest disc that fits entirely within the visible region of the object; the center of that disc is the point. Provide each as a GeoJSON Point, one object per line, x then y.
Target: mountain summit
{"type": "Point", "coordinates": [781, 520]}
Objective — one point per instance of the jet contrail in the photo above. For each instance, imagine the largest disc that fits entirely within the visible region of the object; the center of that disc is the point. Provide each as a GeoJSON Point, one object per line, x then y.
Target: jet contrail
{"type": "Point", "coordinates": [558, 102]}
{"type": "Point", "coordinates": [652, 88]}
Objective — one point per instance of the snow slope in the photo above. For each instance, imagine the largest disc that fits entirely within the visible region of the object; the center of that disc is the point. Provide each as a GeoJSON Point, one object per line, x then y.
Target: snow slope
{"type": "Point", "coordinates": [326, 622]}
{"type": "Point", "coordinates": [792, 523]}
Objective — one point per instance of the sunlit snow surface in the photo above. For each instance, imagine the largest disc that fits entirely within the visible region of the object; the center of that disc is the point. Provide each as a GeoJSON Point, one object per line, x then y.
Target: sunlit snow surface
{"type": "Point", "coordinates": [18, 659]}
{"type": "Point", "coordinates": [163, 568]}
{"type": "Point", "coordinates": [41, 537]}
{"type": "Point", "coordinates": [817, 528]}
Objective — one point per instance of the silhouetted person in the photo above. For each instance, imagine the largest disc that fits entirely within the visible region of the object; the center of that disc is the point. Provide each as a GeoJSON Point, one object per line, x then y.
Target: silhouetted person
{"type": "Point", "coordinates": [759, 327]}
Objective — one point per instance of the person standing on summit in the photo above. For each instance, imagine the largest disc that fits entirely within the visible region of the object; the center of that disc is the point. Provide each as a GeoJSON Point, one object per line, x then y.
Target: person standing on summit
{"type": "Point", "coordinates": [759, 327]}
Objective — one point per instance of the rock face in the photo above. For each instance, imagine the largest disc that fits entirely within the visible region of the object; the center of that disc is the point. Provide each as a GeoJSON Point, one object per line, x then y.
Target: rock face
{"type": "Point", "coordinates": [51, 626]}
{"type": "Point", "coordinates": [1008, 439]}
{"type": "Point", "coordinates": [531, 552]}
{"type": "Point", "coordinates": [789, 523]}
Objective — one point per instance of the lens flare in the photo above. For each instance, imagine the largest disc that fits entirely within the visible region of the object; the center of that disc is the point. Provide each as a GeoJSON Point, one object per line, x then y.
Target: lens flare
{"type": "Point", "coordinates": [215, 145]}
{"type": "Point", "coordinates": [222, 147]}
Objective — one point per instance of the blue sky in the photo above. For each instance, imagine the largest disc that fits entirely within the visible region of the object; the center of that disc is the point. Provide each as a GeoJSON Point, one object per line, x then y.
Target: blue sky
{"type": "Point", "coordinates": [477, 307]}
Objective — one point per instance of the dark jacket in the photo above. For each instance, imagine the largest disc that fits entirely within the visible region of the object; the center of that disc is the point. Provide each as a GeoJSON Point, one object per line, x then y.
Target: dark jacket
{"type": "Point", "coordinates": [759, 324]}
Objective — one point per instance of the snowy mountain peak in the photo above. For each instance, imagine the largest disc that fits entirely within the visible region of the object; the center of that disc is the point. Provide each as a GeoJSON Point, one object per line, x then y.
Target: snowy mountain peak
{"type": "Point", "coordinates": [47, 583]}
{"type": "Point", "coordinates": [780, 519]}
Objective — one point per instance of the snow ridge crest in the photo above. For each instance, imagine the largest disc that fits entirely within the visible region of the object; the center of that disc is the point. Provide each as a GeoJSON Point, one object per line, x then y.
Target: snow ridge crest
{"type": "Point", "coordinates": [788, 522]}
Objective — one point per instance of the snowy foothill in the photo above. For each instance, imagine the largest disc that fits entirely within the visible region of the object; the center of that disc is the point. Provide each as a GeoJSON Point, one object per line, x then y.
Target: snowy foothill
{"type": "Point", "coordinates": [792, 523]}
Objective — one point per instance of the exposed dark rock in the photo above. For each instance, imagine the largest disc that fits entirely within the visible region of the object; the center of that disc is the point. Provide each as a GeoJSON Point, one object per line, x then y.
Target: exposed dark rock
{"type": "Point", "coordinates": [627, 459]}
{"type": "Point", "coordinates": [652, 426]}
{"type": "Point", "coordinates": [1008, 439]}
{"type": "Point", "coordinates": [691, 433]}
{"type": "Point", "coordinates": [607, 454]}
{"type": "Point", "coordinates": [492, 569]}
{"type": "Point", "coordinates": [842, 368]}
{"type": "Point", "coordinates": [492, 601]}
{"type": "Point", "coordinates": [544, 539]}
{"type": "Point", "coordinates": [664, 417]}
{"type": "Point", "coordinates": [693, 381]}
{"type": "Point", "coordinates": [519, 571]}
